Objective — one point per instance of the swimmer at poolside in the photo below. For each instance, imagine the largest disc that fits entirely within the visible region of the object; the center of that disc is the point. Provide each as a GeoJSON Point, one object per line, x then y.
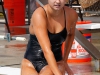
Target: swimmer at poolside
{"type": "Point", "coordinates": [50, 26]}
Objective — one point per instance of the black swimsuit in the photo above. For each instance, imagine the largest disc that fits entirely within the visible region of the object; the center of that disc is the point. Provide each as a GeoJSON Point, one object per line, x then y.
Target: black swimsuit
{"type": "Point", "coordinates": [35, 54]}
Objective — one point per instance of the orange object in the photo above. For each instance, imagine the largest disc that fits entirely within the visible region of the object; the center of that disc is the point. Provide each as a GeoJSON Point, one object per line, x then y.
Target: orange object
{"type": "Point", "coordinates": [83, 22]}
{"type": "Point", "coordinates": [14, 1]}
{"type": "Point", "coordinates": [17, 31]}
{"type": "Point", "coordinates": [15, 14]}
{"type": "Point", "coordinates": [15, 11]}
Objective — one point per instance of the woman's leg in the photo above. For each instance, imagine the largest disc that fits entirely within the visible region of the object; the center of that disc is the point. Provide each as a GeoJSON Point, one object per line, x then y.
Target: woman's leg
{"type": "Point", "coordinates": [27, 68]}
{"type": "Point", "coordinates": [47, 71]}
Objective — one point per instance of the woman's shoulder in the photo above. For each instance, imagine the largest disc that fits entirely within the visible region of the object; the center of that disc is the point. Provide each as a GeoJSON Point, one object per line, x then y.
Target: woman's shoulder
{"type": "Point", "coordinates": [38, 18]}
{"type": "Point", "coordinates": [39, 12]}
{"type": "Point", "coordinates": [71, 12]}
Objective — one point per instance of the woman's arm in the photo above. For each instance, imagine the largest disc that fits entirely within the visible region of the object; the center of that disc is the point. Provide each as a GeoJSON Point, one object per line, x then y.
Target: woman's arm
{"type": "Point", "coordinates": [71, 33]}
{"type": "Point", "coordinates": [70, 37]}
{"type": "Point", "coordinates": [39, 28]}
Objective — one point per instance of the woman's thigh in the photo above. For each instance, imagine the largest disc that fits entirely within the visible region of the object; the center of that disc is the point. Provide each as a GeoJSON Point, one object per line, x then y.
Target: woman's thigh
{"type": "Point", "coordinates": [47, 71]}
{"type": "Point", "coordinates": [27, 68]}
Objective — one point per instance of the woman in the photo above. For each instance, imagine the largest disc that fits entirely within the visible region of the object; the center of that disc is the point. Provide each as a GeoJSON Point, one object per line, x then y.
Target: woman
{"type": "Point", "coordinates": [51, 25]}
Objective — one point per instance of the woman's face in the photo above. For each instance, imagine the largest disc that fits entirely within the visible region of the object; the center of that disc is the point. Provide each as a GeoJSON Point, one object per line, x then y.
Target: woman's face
{"type": "Point", "coordinates": [56, 4]}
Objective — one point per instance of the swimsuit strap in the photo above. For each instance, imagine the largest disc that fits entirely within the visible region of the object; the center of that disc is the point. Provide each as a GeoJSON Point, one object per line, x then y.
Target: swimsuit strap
{"type": "Point", "coordinates": [45, 12]}
{"type": "Point", "coordinates": [64, 16]}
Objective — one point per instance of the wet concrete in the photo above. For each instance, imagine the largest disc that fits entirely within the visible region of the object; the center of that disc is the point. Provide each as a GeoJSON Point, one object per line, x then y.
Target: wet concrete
{"type": "Point", "coordinates": [11, 53]}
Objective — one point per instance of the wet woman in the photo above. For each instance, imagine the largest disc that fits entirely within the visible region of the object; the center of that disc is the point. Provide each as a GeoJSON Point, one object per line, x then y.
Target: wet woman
{"type": "Point", "coordinates": [50, 26]}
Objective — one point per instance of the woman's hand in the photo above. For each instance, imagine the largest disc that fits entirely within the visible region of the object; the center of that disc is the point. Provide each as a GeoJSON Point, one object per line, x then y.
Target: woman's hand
{"type": "Point", "coordinates": [68, 70]}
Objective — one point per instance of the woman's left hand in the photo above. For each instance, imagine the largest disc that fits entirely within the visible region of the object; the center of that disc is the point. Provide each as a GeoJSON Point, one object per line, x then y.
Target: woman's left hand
{"type": "Point", "coordinates": [68, 70]}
